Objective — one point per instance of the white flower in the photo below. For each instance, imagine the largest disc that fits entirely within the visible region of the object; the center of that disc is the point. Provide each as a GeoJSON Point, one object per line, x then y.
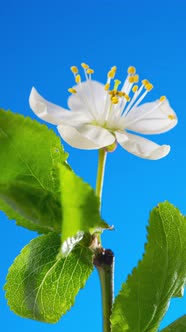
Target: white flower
{"type": "Point", "coordinates": [102, 115]}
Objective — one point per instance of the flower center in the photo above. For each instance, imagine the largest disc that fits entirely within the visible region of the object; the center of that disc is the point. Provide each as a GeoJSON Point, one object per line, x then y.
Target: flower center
{"type": "Point", "coordinates": [117, 102]}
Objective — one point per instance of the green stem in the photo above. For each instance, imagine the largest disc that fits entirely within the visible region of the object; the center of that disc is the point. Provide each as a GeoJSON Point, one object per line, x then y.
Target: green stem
{"type": "Point", "coordinates": [100, 172]}
{"type": "Point", "coordinates": [104, 262]}
{"type": "Point", "coordinates": [104, 259]}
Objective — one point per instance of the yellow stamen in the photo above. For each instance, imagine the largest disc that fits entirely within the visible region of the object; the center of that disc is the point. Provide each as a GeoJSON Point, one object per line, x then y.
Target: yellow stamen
{"type": "Point", "coordinates": [114, 100]}
{"type": "Point", "coordinates": [135, 88]}
{"type": "Point", "coordinates": [78, 78]}
{"type": "Point", "coordinates": [131, 70]}
{"type": "Point", "coordinates": [133, 79]}
{"type": "Point", "coordinates": [107, 86]}
{"type": "Point", "coordinates": [112, 93]}
{"type": "Point", "coordinates": [127, 97]}
{"type": "Point", "coordinates": [120, 93]}
{"type": "Point", "coordinates": [145, 82]}
{"type": "Point", "coordinates": [74, 69]}
{"type": "Point", "coordinates": [149, 87]}
{"type": "Point", "coordinates": [90, 71]}
{"type": "Point", "coordinates": [162, 98]}
{"type": "Point", "coordinates": [136, 78]}
{"type": "Point", "coordinates": [171, 117]}
{"type": "Point", "coordinates": [71, 90]}
{"type": "Point", "coordinates": [111, 73]}
{"type": "Point", "coordinates": [84, 66]}
{"type": "Point", "coordinates": [114, 68]}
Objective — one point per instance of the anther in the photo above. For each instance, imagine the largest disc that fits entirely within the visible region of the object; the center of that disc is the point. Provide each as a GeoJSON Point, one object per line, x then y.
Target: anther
{"type": "Point", "coordinates": [78, 78]}
{"type": "Point", "coordinates": [131, 70]}
{"type": "Point", "coordinates": [90, 71]}
{"type": "Point", "coordinates": [149, 87]}
{"type": "Point", "coordinates": [112, 93]}
{"type": "Point", "coordinates": [136, 78]}
{"type": "Point", "coordinates": [120, 93]}
{"type": "Point", "coordinates": [114, 100]}
{"type": "Point", "coordinates": [133, 79]}
{"type": "Point", "coordinates": [74, 69]}
{"type": "Point", "coordinates": [84, 65]}
{"type": "Point", "coordinates": [114, 68]}
{"type": "Point", "coordinates": [107, 86]}
{"type": "Point", "coordinates": [71, 90]}
{"type": "Point", "coordinates": [145, 82]}
{"type": "Point", "coordinates": [162, 98]}
{"type": "Point", "coordinates": [111, 73]}
{"type": "Point", "coordinates": [135, 88]}
{"type": "Point", "coordinates": [171, 117]}
{"type": "Point", "coordinates": [127, 97]}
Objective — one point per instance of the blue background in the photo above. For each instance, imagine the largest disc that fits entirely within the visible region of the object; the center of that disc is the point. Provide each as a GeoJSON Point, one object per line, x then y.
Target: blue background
{"type": "Point", "coordinates": [39, 41]}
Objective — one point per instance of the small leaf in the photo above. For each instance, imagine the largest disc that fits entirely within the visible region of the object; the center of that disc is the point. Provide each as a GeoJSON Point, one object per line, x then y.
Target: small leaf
{"type": "Point", "coordinates": [178, 326]}
{"type": "Point", "coordinates": [29, 185]}
{"type": "Point", "coordinates": [42, 285]}
{"type": "Point", "coordinates": [159, 276]}
{"type": "Point", "coordinates": [80, 209]}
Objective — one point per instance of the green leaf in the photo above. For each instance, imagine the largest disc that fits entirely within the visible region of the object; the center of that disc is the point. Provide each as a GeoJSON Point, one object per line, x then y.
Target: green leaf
{"type": "Point", "coordinates": [80, 209]}
{"type": "Point", "coordinates": [29, 189]}
{"type": "Point", "coordinates": [178, 326]}
{"type": "Point", "coordinates": [33, 203]}
{"type": "Point", "coordinates": [159, 276]}
{"type": "Point", "coordinates": [42, 285]}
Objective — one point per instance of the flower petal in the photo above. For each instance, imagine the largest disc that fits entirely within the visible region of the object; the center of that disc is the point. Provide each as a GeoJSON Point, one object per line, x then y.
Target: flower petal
{"type": "Point", "coordinates": [90, 97]}
{"type": "Point", "coordinates": [86, 137]}
{"type": "Point", "coordinates": [151, 118]}
{"type": "Point", "coordinates": [142, 147]}
{"type": "Point", "coordinates": [44, 109]}
{"type": "Point", "coordinates": [52, 113]}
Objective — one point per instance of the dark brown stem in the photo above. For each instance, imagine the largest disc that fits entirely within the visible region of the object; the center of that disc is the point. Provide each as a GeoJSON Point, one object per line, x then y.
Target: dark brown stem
{"type": "Point", "coordinates": [104, 262]}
